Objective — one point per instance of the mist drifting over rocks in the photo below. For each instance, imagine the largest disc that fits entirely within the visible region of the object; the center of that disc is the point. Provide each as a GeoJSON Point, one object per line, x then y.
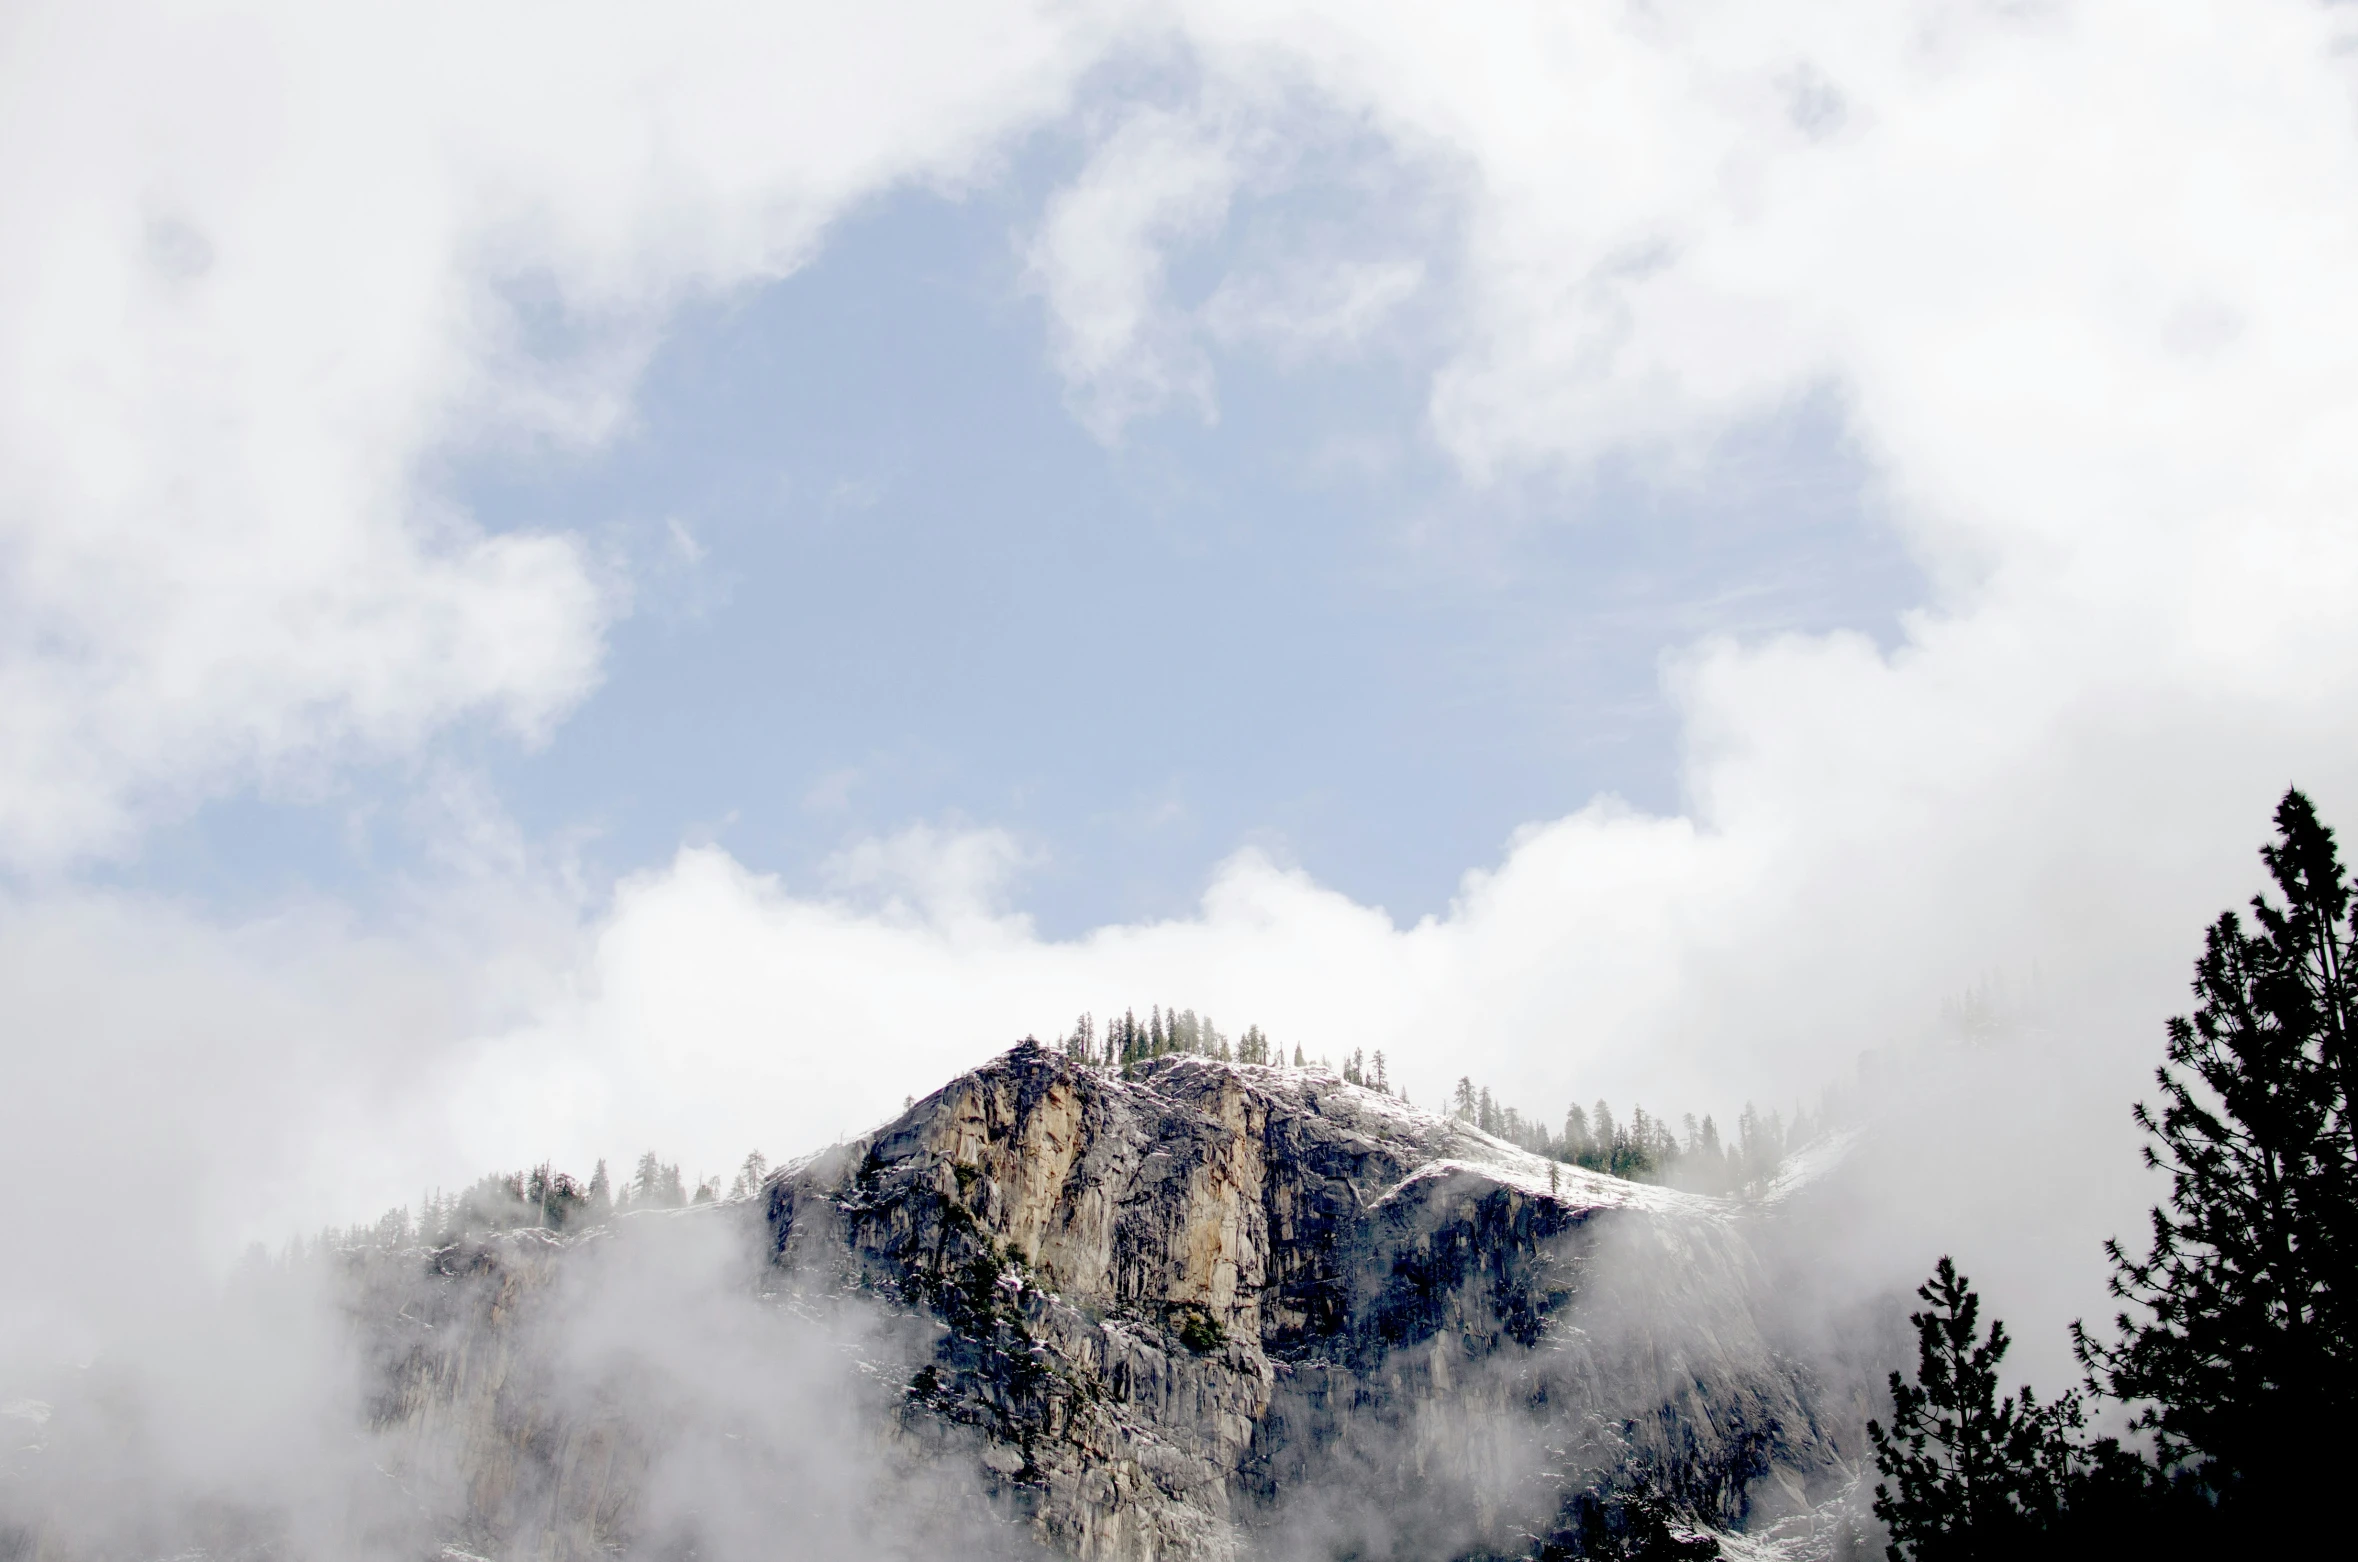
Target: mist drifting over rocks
{"type": "Point", "coordinates": [2059, 292]}
{"type": "Point", "coordinates": [1188, 1309]}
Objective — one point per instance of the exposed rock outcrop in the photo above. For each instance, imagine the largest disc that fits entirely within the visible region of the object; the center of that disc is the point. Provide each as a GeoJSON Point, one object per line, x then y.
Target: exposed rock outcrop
{"type": "Point", "coordinates": [1209, 1303]}
{"type": "Point", "coordinates": [1198, 1310]}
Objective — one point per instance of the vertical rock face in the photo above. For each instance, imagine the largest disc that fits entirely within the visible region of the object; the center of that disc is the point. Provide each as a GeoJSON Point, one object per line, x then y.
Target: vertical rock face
{"type": "Point", "coordinates": [1206, 1305]}
{"type": "Point", "coordinates": [1200, 1310]}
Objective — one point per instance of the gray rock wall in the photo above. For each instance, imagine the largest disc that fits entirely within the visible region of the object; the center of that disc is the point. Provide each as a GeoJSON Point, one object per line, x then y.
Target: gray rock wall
{"type": "Point", "coordinates": [1200, 1311]}
{"type": "Point", "coordinates": [1211, 1304]}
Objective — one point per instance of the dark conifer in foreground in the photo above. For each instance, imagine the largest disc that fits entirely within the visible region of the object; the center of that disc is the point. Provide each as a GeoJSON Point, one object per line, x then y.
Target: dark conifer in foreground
{"type": "Point", "coordinates": [2236, 1350]}
{"type": "Point", "coordinates": [1967, 1473]}
{"type": "Point", "coordinates": [2238, 1341]}
{"type": "Point", "coordinates": [1968, 1476]}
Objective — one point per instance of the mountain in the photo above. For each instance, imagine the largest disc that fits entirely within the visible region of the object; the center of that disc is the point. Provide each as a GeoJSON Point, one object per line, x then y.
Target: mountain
{"type": "Point", "coordinates": [1191, 1309]}
{"type": "Point", "coordinates": [1198, 1310]}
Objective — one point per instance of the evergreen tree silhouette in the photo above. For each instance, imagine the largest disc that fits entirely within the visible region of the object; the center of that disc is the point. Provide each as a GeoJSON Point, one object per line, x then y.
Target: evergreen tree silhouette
{"type": "Point", "coordinates": [2238, 1340]}
{"type": "Point", "coordinates": [1968, 1474]}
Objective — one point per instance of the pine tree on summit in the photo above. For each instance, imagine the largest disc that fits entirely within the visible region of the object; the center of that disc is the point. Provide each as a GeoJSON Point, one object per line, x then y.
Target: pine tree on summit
{"type": "Point", "coordinates": [2242, 1330]}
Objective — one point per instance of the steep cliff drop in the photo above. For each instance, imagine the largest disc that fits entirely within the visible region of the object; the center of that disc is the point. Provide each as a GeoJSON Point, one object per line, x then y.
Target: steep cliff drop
{"type": "Point", "coordinates": [1192, 1310]}
{"type": "Point", "coordinates": [1198, 1310]}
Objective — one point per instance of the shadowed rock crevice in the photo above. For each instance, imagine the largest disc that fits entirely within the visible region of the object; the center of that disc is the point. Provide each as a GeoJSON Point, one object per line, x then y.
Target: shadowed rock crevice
{"type": "Point", "coordinates": [1206, 1305]}
{"type": "Point", "coordinates": [1197, 1310]}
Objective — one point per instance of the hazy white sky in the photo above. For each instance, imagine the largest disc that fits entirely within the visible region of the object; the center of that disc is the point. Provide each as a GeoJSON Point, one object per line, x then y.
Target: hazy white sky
{"type": "Point", "coordinates": [577, 577]}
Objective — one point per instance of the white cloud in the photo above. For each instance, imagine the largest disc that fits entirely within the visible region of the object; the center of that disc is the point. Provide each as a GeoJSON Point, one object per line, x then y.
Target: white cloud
{"type": "Point", "coordinates": [2077, 273]}
{"type": "Point", "coordinates": [177, 1088]}
{"type": "Point", "coordinates": [944, 877]}
{"type": "Point", "coordinates": [1158, 179]}
{"type": "Point", "coordinates": [1307, 307]}
{"type": "Point", "coordinates": [1232, 162]}
{"type": "Point", "coordinates": [261, 271]}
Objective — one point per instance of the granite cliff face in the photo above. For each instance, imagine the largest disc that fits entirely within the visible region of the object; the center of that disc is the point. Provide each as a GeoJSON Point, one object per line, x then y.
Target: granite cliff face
{"type": "Point", "coordinates": [1208, 1306]}
{"type": "Point", "coordinates": [1203, 1310]}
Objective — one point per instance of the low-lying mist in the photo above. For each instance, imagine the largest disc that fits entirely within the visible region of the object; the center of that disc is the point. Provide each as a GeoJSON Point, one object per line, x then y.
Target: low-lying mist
{"type": "Point", "coordinates": [652, 1394]}
{"type": "Point", "coordinates": [649, 1380]}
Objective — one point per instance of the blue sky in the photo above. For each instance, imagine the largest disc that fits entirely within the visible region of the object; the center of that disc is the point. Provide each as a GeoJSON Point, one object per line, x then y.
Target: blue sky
{"type": "Point", "coordinates": [881, 575]}
{"type": "Point", "coordinates": [1997, 342]}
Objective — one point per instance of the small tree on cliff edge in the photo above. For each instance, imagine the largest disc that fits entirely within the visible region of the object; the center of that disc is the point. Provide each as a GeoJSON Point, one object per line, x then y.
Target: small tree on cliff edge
{"type": "Point", "coordinates": [2245, 1301]}
{"type": "Point", "coordinates": [1975, 1475]}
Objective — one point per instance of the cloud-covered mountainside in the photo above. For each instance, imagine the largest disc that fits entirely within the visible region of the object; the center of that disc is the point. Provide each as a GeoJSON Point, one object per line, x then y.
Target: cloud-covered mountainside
{"type": "Point", "coordinates": [2071, 279]}
{"type": "Point", "coordinates": [1192, 1308]}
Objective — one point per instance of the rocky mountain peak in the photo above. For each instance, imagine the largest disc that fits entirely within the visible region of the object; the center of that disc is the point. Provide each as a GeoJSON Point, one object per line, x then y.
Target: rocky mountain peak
{"type": "Point", "coordinates": [1188, 1309]}
{"type": "Point", "coordinates": [1180, 1296]}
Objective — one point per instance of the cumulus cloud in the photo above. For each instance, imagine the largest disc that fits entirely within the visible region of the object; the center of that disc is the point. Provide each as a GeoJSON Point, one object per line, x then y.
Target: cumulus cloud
{"type": "Point", "coordinates": [2075, 275]}
{"type": "Point", "coordinates": [267, 266]}
{"type": "Point", "coordinates": [270, 271]}
{"type": "Point", "coordinates": [1250, 156]}
{"type": "Point", "coordinates": [2072, 274]}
